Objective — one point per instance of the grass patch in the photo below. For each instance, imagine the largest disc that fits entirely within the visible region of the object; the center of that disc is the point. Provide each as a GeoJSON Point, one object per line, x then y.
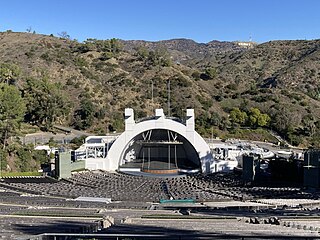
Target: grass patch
{"type": "Point", "coordinates": [20, 174]}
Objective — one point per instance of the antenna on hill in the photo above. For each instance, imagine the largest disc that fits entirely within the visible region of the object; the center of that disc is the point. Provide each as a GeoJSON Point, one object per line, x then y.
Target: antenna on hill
{"type": "Point", "coordinates": [250, 38]}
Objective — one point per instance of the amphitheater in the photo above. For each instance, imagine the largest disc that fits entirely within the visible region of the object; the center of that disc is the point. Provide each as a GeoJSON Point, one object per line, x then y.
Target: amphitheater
{"type": "Point", "coordinates": [156, 181]}
{"type": "Point", "coordinates": [213, 206]}
{"type": "Point", "coordinates": [156, 144]}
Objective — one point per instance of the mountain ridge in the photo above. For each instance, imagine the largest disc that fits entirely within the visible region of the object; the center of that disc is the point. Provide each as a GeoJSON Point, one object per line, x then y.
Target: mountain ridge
{"type": "Point", "coordinates": [277, 77]}
{"type": "Point", "coordinates": [189, 47]}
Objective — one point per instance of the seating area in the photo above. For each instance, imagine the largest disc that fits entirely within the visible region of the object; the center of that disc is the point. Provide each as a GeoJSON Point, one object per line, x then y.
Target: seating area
{"type": "Point", "coordinates": [252, 193]}
{"type": "Point", "coordinates": [194, 229]}
{"type": "Point", "coordinates": [15, 227]}
{"type": "Point", "coordinates": [117, 186]}
{"type": "Point", "coordinates": [310, 224]}
{"type": "Point", "coordinates": [41, 201]}
{"type": "Point", "coordinates": [292, 203]}
{"type": "Point", "coordinates": [219, 194]}
{"type": "Point", "coordinates": [124, 187]}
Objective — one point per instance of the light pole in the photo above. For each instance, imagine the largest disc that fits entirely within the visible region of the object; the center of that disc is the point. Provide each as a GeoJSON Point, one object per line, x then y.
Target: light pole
{"type": "Point", "coordinates": [169, 97]}
{"type": "Point", "coordinates": [152, 93]}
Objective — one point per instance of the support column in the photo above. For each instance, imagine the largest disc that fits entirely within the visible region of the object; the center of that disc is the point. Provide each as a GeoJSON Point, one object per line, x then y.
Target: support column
{"type": "Point", "coordinates": [129, 119]}
{"type": "Point", "coordinates": [129, 123]}
{"type": "Point", "coordinates": [190, 125]}
{"type": "Point", "coordinates": [160, 118]}
{"type": "Point", "coordinates": [169, 156]}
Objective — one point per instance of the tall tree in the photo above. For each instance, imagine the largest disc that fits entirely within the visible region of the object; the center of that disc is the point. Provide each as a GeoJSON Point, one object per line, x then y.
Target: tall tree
{"type": "Point", "coordinates": [12, 110]}
{"type": "Point", "coordinates": [46, 102]}
{"type": "Point", "coordinates": [258, 119]}
{"type": "Point", "coordinates": [237, 116]}
{"type": "Point", "coordinates": [284, 119]}
{"type": "Point", "coordinates": [84, 116]}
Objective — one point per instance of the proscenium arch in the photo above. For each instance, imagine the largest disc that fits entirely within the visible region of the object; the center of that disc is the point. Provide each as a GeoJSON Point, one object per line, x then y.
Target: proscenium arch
{"type": "Point", "coordinates": [168, 148]}
{"type": "Point", "coordinates": [115, 152]}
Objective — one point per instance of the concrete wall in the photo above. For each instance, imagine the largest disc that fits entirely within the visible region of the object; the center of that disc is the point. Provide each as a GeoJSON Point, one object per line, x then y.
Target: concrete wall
{"type": "Point", "coordinates": [78, 165]}
{"type": "Point", "coordinates": [64, 166]}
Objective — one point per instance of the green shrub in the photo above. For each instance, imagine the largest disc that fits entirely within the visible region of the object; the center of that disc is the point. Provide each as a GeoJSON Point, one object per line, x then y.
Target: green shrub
{"type": "Point", "coordinates": [46, 56]}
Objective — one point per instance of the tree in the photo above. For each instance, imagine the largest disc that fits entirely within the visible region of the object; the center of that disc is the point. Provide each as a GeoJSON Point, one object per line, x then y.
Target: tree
{"type": "Point", "coordinates": [263, 120]}
{"type": "Point", "coordinates": [23, 163]}
{"type": "Point", "coordinates": [78, 141]}
{"type": "Point", "coordinates": [309, 125]}
{"type": "Point", "coordinates": [257, 119]}
{"type": "Point", "coordinates": [142, 53]}
{"type": "Point", "coordinates": [9, 73]}
{"type": "Point", "coordinates": [237, 116]}
{"type": "Point", "coordinates": [209, 73]}
{"type": "Point", "coordinates": [112, 46]}
{"type": "Point", "coordinates": [284, 118]}
{"type": "Point", "coordinates": [225, 123]}
{"type": "Point", "coordinates": [29, 29]}
{"type": "Point", "coordinates": [160, 57]}
{"type": "Point", "coordinates": [253, 117]}
{"type": "Point", "coordinates": [12, 110]}
{"type": "Point", "coordinates": [64, 35]}
{"type": "Point", "coordinates": [3, 159]}
{"type": "Point", "coordinates": [196, 75]}
{"type": "Point", "coordinates": [115, 45]}
{"type": "Point", "coordinates": [84, 116]}
{"type": "Point", "coordinates": [215, 119]}
{"type": "Point", "coordinates": [45, 102]}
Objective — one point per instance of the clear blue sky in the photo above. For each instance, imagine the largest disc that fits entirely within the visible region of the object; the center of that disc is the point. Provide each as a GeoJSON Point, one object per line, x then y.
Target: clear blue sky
{"type": "Point", "coordinates": [200, 20]}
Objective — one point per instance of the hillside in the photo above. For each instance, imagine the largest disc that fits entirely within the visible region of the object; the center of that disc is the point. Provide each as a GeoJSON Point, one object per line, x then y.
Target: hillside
{"type": "Point", "coordinates": [182, 50]}
{"type": "Point", "coordinates": [99, 78]}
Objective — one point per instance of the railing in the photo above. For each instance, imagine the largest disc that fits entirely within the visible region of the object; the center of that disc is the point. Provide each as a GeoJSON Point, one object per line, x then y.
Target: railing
{"type": "Point", "coordinates": [177, 201]}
